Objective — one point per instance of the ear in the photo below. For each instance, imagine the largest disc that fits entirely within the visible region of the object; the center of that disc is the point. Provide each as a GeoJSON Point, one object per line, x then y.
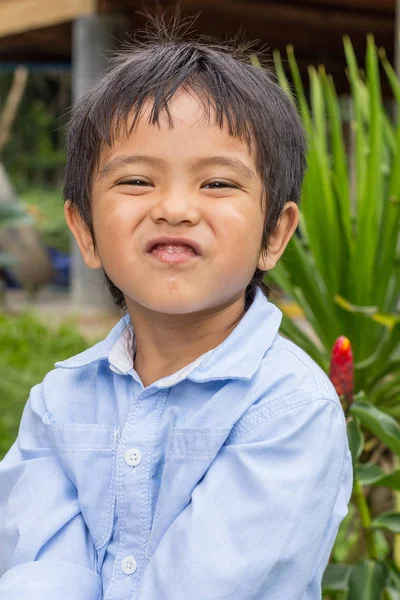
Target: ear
{"type": "Point", "coordinates": [279, 239]}
{"type": "Point", "coordinates": [82, 235]}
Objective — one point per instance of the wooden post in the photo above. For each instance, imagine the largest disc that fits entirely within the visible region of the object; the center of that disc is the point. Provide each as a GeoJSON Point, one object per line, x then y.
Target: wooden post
{"type": "Point", "coordinates": [93, 37]}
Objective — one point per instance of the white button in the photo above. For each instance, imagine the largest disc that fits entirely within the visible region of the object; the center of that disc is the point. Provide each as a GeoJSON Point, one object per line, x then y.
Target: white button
{"type": "Point", "coordinates": [133, 457]}
{"type": "Point", "coordinates": [128, 565]}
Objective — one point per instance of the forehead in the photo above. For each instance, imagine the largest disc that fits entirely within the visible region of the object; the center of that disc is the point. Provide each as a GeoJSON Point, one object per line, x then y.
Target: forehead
{"type": "Point", "coordinates": [188, 125]}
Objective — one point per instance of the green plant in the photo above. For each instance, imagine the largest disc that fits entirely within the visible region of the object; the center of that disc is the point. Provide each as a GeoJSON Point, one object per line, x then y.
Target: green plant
{"type": "Point", "coordinates": [28, 350]}
{"type": "Point", "coordinates": [363, 563]}
{"type": "Point", "coordinates": [375, 574]}
{"type": "Point", "coordinates": [343, 268]}
{"type": "Point", "coordinates": [34, 151]}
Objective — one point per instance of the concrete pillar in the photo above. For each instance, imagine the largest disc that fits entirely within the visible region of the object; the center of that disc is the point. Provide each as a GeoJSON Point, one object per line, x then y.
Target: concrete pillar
{"type": "Point", "coordinates": [93, 37]}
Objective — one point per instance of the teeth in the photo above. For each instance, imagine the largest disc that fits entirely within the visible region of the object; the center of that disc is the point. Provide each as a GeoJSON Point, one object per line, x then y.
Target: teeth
{"type": "Point", "coordinates": [172, 249]}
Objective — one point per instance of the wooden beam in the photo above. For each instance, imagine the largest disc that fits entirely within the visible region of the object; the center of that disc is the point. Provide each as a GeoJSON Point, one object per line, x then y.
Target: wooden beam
{"type": "Point", "coordinates": [309, 20]}
{"type": "Point", "coordinates": [17, 16]}
{"type": "Point", "coordinates": [377, 6]}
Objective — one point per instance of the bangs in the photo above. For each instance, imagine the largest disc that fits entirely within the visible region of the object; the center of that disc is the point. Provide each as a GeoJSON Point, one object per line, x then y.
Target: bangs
{"type": "Point", "coordinates": [155, 79]}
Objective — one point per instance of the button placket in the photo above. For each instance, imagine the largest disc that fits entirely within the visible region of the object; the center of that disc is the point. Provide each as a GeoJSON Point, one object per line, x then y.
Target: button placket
{"type": "Point", "coordinates": [133, 505]}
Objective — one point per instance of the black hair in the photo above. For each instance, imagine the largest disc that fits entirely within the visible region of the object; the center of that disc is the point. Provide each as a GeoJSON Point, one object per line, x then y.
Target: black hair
{"type": "Point", "coordinates": [244, 97]}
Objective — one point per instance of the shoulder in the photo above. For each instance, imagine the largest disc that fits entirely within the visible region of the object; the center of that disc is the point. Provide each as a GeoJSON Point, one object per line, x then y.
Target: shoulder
{"type": "Point", "coordinates": [66, 393]}
{"type": "Point", "coordinates": [290, 368]}
{"type": "Point", "coordinates": [73, 390]}
{"type": "Point", "coordinates": [287, 369]}
{"type": "Point", "coordinates": [288, 380]}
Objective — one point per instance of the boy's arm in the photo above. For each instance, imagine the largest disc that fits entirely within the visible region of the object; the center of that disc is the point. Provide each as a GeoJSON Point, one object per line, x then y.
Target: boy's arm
{"type": "Point", "coordinates": [45, 549]}
{"type": "Point", "coordinates": [262, 522]}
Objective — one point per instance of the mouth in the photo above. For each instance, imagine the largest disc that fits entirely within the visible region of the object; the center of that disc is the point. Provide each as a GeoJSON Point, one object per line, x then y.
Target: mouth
{"type": "Point", "coordinates": [173, 254]}
{"type": "Point", "coordinates": [173, 250]}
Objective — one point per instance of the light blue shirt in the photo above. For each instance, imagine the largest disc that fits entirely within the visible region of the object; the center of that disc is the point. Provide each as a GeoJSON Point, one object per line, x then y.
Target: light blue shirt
{"type": "Point", "coordinates": [224, 481]}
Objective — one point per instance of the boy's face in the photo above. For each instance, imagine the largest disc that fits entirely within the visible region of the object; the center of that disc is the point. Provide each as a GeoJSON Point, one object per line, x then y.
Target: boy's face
{"type": "Point", "coordinates": [193, 180]}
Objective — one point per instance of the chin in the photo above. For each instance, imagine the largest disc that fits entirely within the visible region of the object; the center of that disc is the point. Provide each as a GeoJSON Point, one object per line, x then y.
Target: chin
{"type": "Point", "coordinates": [162, 302]}
{"type": "Point", "coordinates": [174, 306]}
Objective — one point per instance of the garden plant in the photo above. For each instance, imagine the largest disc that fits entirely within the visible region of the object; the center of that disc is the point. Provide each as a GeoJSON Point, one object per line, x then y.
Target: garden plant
{"type": "Point", "coordinates": [28, 350]}
{"type": "Point", "coordinates": [343, 271]}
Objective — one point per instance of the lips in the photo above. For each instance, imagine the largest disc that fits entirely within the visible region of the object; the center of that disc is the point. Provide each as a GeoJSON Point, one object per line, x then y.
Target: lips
{"type": "Point", "coordinates": [181, 244]}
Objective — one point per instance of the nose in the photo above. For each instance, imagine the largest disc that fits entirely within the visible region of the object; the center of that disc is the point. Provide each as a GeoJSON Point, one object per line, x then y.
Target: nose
{"type": "Point", "coordinates": [176, 207]}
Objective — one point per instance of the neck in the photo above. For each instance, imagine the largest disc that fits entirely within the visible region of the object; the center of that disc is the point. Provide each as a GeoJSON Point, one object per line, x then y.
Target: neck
{"type": "Point", "coordinates": [166, 343]}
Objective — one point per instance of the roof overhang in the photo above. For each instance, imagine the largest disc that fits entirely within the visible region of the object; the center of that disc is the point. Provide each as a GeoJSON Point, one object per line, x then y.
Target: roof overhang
{"type": "Point", "coordinates": [39, 31]}
{"type": "Point", "coordinates": [18, 16]}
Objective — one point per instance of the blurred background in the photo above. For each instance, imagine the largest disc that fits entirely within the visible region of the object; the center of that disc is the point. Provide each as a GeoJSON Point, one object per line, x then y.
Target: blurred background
{"type": "Point", "coordinates": [338, 283]}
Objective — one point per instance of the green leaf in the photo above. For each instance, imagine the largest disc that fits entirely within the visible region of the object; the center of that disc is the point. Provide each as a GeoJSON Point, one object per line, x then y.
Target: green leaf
{"type": "Point", "coordinates": [310, 291]}
{"type": "Point", "coordinates": [390, 593]}
{"type": "Point", "coordinates": [336, 578]}
{"type": "Point", "coordinates": [389, 521]}
{"type": "Point", "coordinates": [371, 312]}
{"type": "Point", "coordinates": [391, 74]}
{"type": "Point", "coordinates": [254, 61]}
{"type": "Point", "coordinates": [362, 310]}
{"type": "Point", "coordinates": [283, 80]}
{"type": "Point", "coordinates": [382, 546]}
{"type": "Point", "coordinates": [384, 427]}
{"type": "Point", "coordinates": [388, 321]}
{"type": "Point", "coordinates": [367, 580]}
{"type": "Point", "coordinates": [339, 166]}
{"type": "Point", "coordinates": [331, 248]}
{"type": "Point", "coordinates": [369, 202]}
{"type": "Point", "coordinates": [356, 439]}
{"type": "Point", "coordinates": [394, 573]}
{"type": "Point", "coordinates": [298, 84]}
{"type": "Point", "coordinates": [358, 123]}
{"type": "Point", "coordinates": [391, 481]}
{"type": "Point", "coordinates": [387, 392]}
{"type": "Point", "coordinates": [370, 474]}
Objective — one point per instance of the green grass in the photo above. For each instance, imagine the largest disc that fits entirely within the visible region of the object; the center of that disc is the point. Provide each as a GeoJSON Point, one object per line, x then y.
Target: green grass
{"type": "Point", "coordinates": [28, 350]}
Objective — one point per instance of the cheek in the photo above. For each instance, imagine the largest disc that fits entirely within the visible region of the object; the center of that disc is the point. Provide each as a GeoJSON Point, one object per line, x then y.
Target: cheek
{"type": "Point", "coordinates": [113, 221]}
{"type": "Point", "coordinates": [239, 228]}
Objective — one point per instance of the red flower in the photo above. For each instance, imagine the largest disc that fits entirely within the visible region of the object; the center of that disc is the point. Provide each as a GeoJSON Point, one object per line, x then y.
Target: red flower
{"type": "Point", "coordinates": [341, 371]}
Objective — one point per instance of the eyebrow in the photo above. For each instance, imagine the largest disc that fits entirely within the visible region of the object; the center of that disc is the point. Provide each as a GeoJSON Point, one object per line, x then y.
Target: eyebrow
{"type": "Point", "coordinates": [152, 161]}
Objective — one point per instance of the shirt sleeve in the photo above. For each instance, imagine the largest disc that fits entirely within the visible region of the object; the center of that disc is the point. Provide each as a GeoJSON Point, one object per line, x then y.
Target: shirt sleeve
{"type": "Point", "coordinates": [45, 550]}
{"type": "Point", "coordinates": [263, 520]}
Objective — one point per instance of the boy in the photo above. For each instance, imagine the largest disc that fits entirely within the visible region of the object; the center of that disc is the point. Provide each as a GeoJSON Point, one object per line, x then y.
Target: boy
{"type": "Point", "coordinates": [195, 453]}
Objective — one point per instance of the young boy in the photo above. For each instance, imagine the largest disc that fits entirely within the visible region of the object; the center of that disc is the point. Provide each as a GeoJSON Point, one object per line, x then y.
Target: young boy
{"type": "Point", "coordinates": [194, 453]}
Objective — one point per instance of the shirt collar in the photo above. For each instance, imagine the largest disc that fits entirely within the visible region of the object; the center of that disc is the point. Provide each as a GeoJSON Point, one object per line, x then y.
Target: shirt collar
{"type": "Point", "coordinates": [237, 357]}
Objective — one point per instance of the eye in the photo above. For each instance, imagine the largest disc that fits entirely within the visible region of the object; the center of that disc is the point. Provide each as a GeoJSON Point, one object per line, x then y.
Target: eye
{"type": "Point", "coordinates": [136, 182]}
{"type": "Point", "coordinates": [220, 185]}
